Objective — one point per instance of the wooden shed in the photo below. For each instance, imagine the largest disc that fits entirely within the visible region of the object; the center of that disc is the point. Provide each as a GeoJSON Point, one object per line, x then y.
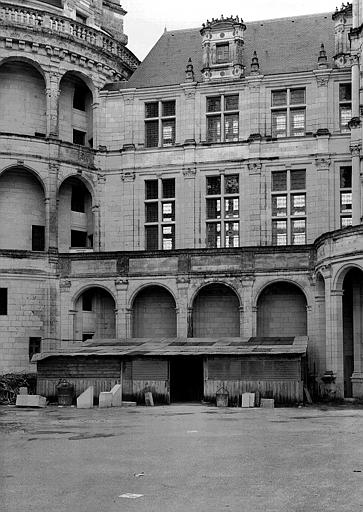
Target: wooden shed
{"type": "Point", "coordinates": [180, 370]}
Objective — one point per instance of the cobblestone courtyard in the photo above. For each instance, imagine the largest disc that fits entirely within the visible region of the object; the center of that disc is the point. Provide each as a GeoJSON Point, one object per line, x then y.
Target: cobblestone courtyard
{"type": "Point", "coordinates": [181, 459]}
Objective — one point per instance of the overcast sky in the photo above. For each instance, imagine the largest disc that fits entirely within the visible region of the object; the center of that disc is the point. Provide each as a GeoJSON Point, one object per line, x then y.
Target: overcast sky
{"type": "Point", "coordinates": [146, 19]}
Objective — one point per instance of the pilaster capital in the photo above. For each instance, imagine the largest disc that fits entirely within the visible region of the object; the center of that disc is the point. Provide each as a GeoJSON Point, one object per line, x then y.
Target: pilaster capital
{"type": "Point", "coordinates": [127, 176]}
{"type": "Point", "coordinates": [322, 77]}
{"type": "Point", "coordinates": [322, 162]}
{"type": "Point", "coordinates": [121, 284]}
{"type": "Point", "coordinates": [355, 149]}
{"type": "Point", "coordinates": [65, 285]}
{"type": "Point", "coordinates": [254, 167]}
{"type": "Point", "coordinates": [190, 172]}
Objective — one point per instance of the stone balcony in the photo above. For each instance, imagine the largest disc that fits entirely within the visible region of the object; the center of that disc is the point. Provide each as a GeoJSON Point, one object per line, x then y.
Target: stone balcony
{"type": "Point", "coordinates": [47, 23]}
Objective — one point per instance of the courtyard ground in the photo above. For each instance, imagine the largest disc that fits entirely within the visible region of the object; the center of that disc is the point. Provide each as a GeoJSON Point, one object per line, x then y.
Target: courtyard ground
{"type": "Point", "coordinates": [181, 458]}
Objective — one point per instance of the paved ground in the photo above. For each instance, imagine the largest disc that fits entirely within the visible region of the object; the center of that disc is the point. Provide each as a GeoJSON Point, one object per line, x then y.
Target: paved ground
{"type": "Point", "coordinates": [181, 459]}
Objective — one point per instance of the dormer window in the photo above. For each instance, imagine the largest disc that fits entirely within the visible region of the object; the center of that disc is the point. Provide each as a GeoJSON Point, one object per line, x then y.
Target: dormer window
{"type": "Point", "coordinates": [222, 53]}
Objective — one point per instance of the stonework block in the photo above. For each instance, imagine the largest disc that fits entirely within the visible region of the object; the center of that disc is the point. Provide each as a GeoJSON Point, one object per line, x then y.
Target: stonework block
{"type": "Point", "coordinates": [105, 399]}
{"type": "Point", "coordinates": [116, 395]}
{"type": "Point", "coordinates": [85, 400]}
{"type": "Point", "coordinates": [267, 403]}
{"type": "Point", "coordinates": [31, 401]}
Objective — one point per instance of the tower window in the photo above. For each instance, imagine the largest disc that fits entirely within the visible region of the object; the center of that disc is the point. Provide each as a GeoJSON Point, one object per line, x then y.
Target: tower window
{"type": "Point", "coordinates": [222, 53]}
{"type": "Point", "coordinates": [79, 137]}
{"type": "Point", "coordinates": [345, 196]}
{"type": "Point", "coordinates": [38, 238]}
{"type": "Point", "coordinates": [345, 106]}
{"type": "Point", "coordinates": [79, 98]}
{"type": "Point", "coordinates": [3, 301]}
{"type": "Point", "coordinates": [77, 199]}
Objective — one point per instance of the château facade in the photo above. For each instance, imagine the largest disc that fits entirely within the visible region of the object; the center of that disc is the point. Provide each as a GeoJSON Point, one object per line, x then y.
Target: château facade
{"type": "Point", "coordinates": [209, 196]}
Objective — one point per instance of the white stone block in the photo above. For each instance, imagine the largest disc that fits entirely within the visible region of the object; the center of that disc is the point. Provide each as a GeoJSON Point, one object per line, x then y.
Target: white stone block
{"type": "Point", "coordinates": [267, 403]}
{"type": "Point", "coordinates": [116, 395]}
{"type": "Point", "coordinates": [252, 399]}
{"type": "Point", "coordinates": [31, 401]}
{"type": "Point", "coordinates": [105, 399]}
{"type": "Point", "coordinates": [85, 400]}
{"type": "Point", "coordinates": [23, 391]}
{"type": "Point", "coordinates": [245, 399]}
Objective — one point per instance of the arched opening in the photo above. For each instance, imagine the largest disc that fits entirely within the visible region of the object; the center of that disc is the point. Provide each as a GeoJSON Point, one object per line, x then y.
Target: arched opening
{"type": "Point", "coordinates": [154, 313]}
{"type": "Point", "coordinates": [281, 311]}
{"type": "Point", "coordinates": [95, 315]}
{"type": "Point", "coordinates": [75, 216]}
{"type": "Point", "coordinates": [22, 211]}
{"type": "Point", "coordinates": [352, 327]}
{"type": "Point", "coordinates": [23, 101]}
{"type": "Point", "coordinates": [216, 312]}
{"type": "Point", "coordinates": [75, 111]}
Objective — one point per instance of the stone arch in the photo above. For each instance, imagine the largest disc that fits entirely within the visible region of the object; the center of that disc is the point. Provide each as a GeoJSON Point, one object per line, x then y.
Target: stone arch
{"type": "Point", "coordinates": [259, 290]}
{"type": "Point", "coordinates": [31, 171]}
{"type": "Point", "coordinates": [216, 311]}
{"type": "Point", "coordinates": [94, 313]}
{"type": "Point", "coordinates": [22, 209]}
{"type": "Point", "coordinates": [154, 312]}
{"type": "Point", "coordinates": [75, 214]}
{"type": "Point", "coordinates": [342, 272]}
{"type": "Point", "coordinates": [281, 310]}
{"type": "Point", "coordinates": [24, 107]}
{"type": "Point", "coordinates": [213, 281]}
{"type": "Point", "coordinates": [76, 94]}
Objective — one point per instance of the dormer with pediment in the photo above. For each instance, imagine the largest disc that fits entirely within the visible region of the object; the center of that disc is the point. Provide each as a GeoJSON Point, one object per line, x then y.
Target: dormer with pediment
{"type": "Point", "coordinates": [222, 46]}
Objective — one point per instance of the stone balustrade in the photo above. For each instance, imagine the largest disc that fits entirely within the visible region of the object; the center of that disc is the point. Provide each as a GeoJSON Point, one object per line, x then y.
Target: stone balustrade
{"type": "Point", "coordinates": [33, 19]}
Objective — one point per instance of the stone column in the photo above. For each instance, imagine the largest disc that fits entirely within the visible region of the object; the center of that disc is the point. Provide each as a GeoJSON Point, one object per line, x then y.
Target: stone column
{"type": "Point", "coordinates": [122, 327]}
{"type": "Point", "coordinates": [355, 149]}
{"type": "Point", "coordinates": [246, 309]}
{"type": "Point", "coordinates": [53, 93]}
{"type": "Point", "coordinates": [51, 207]}
{"type": "Point", "coordinates": [182, 309]}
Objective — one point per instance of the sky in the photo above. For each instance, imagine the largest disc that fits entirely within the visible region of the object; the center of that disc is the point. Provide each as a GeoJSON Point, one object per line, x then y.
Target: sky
{"type": "Point", "coordinates": [146, 20]}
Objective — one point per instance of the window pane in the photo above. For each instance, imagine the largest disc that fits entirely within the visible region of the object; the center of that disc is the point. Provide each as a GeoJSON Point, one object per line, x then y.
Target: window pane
{"type": "Point", "coordinates": [214, 235]}
{"type": "Point", "coordinates": [297, 118]}
{"type": "Point", "coordinates": [151, 212]}
{"type": "Point", "coordinates": [151, 109]}
{"type": "Point", "coordinates": [279, 180]}
{"type": "Point", "coordinates": [3, 301]}
{"type": "Point", "coordinates": [38, 238]}
{"type": "Point", "coordinates": [231, 234]}
{"type": "Point", "coordinates": [77, 198]}
{"type": "Point", "coordinates": [345, 92]}
{"type": "Point", "coordinates": [214, 104]}
{"type": "Point", "coordinates": [168, 128]}
{"type": "Point", "coordinates": [222, 52]}
{"type": "Point", "coordinates": [279, 206]}
{"type": "Point", "coordinates": [279, 124]}
{"type": "Point", "coordinates": [298, 232]}
{"type": "Point", "coordinates": [345, 222]}
{"type": "Point", "coordinates": [298, 180]}
{"type": "Point", "coordinates": [213, 208]}
{"type": "Point", "coordinates": [213, 185]}
{"type": "Point", "coordinates": [298, 204]}
{"type": "Point", "coordinates": [168, 237]}
{"type": "Point", "coordinates": [151, 189]}
{"type": "Point", "coordinates": [168, 211]}
{"type": "Point", "coordinates": [214, 129]}
{"type": "Point", "coordinates": [297, 96]}
{"type": "Point", "coordinates": [78, 238]}
{"type": "Point", "coordinates": [279, 98]}
{"type": "Point", "coordinates": [231, 184]}
{"type": "Point", "coordinates": [168, 187]}
{"type": "Point", "coordinates": [345, 201]}
{"type": "Point", "coordinates": [168, 108]}
{"type": "Point", "coordinates": [152, 134]}
{"type": "Point", "coordinates": [151, 238]}
{"type": "Point", "coordinates": [231, 208]}
{"type": "Point", "coordinates": [231, 127]}
{"type": "Point", "coordinates": [346, 177]}
{"type": "Point", "coordinates": [345, 117]}
{"type": "Point", "coordinates": [231, 102]}
{"type": "Point", "coordinates": [279, 232]}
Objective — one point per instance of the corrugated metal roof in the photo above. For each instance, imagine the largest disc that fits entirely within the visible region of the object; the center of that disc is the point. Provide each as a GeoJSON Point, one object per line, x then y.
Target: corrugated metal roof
{"type": "Point", "coordinates": [182, 346]}
{"type": "Point", "coordinates": [285, 45]}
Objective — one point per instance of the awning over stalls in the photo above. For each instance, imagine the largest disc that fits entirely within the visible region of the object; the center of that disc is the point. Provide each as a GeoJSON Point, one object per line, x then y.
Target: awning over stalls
{"type": "Point", "coordinates": [168, 347]}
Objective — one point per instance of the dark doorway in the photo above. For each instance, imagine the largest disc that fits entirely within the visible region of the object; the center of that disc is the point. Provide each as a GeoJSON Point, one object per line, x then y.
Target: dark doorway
{"type": "Point", "coordinates": [186, 379]}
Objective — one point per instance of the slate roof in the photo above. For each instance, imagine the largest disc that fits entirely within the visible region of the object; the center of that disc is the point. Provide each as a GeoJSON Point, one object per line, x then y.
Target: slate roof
{"type": "Point", "coordinates": [151, 347]}
{"type": "Point", "coordinates": [284, 45]}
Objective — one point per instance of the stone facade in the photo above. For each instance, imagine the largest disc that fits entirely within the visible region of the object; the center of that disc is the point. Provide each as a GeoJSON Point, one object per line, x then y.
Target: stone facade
{"type": "Point", "coordinates": [221, 199]}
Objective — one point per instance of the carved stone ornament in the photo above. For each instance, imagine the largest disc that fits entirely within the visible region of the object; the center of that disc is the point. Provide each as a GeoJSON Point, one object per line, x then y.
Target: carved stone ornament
{"type": "Point", "coordinates": [322, 163]}
{"type": "Point", "coordinates": [65, 285]}
{"type": "Point", "coordinates": [53, 167]}
{"type": "Point", "coordinates": [355, 149]}
{"type": "Point", "coordinates": [322, 81]}
{"type": "Point", "coordinates": [254, 167]}
{"type": "Point", "coordinates": [354, 123]}
{"type": "Point", "coordinates": [121, 283]}
{"type": "Point", "coordinates": [189, 173]}
{"type": "Point", "coordinates": [325, 271]}
{"type": "Point", "coordinates": [182, 280]}
{"type": "Point", "coordinates": [128, 176]}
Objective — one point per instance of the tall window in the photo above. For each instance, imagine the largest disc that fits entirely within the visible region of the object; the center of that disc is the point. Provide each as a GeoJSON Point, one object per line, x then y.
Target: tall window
{"type": "Point", "coordinates": [222, 211]}
{"type": "Point", "coordinates": [289, 207]}
{"type": "Point", "coordinates": [3, 301]}
{"type": "Point", "coordinates": [222, 53]}
{"type": "Point", "coordinates": [35, 345]}
{"type": "Point", "coordinates": [288, 112]}
{"type": "Point", "coordinates": [160, 214]}
{"type": "Point", "coordinates": [222, 118]}
{"type": "Point", "coordinates": [159, 123]}
{"type": "Point", "coordinates": [345, 106]}
{"type": "Point", "coordinates": [38, 238]}
{"type": "Point", "coordinates": [345, 196]}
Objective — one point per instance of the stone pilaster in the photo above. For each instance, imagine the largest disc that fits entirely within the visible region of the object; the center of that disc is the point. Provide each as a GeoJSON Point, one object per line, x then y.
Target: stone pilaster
{"type": "Point", "coordinates": [182, 283]}
{"type": "Point", "coordinates": [53, 93]}
{"type": "Point", "coordinates": [122, 323]}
